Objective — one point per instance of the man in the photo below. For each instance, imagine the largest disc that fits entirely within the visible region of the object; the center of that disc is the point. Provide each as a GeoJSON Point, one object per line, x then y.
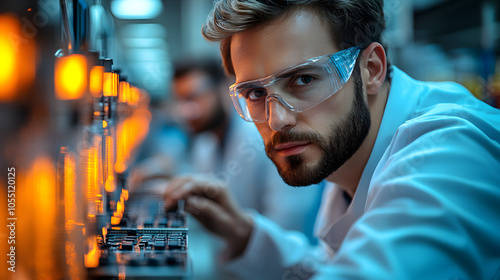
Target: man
{"type": "Point", "coordinates": [413, 166]}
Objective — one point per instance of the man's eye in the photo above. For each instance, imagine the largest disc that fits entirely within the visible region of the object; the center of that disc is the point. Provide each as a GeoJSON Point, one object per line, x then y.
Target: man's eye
{"type": "Point", "coordinates": [256, 94]}
{"type": "Point", "coordinates": [303, 80]}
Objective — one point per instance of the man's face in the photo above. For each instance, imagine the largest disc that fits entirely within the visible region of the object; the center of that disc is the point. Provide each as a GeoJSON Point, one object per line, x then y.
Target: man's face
{"type": "Point", "coordinates": [198, 104]}
{"type": "Point", "coordinates": [306, 147]}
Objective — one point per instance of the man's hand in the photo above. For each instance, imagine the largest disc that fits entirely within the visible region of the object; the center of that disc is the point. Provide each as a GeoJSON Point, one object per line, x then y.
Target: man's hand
{"type": "Point", "coordinates": [209, 202]}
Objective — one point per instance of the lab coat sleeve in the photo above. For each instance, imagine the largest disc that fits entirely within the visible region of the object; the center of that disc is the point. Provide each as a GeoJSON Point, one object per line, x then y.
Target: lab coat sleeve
{"type": "Point", "coordinates": [432, 210]}
{"type": "Point", "coordinates": [273, 253]}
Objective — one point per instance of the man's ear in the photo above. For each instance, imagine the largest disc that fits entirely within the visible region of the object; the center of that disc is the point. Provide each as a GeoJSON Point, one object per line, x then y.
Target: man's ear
{"type": "Point", "coordinates": [375, 67]}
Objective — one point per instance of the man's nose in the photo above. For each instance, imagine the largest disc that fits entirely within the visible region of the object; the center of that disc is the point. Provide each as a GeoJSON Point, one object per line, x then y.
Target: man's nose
{"type": "Point", "coordinates": [280, 118]}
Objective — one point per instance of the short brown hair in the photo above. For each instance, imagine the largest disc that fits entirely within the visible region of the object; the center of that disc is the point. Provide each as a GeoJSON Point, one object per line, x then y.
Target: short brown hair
{"type": "Point", "coordinates": [351, 22]}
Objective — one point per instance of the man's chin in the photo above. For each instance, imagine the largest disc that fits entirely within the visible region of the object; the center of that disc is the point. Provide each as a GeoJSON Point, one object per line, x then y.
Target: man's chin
{"type": "Point", "coordinates": [295, 172]}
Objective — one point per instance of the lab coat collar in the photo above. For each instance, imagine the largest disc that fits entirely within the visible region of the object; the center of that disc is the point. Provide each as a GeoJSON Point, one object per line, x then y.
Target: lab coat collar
{"type": "Point", "coordinates": [401, 104]}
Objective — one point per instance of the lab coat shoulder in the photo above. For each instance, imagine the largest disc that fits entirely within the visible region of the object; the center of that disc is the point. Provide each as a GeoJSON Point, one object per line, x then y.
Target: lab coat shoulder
{"type": "Point", "coordinates": [430, 211]}
{"type": "Point", "coordinates": [432, 205]}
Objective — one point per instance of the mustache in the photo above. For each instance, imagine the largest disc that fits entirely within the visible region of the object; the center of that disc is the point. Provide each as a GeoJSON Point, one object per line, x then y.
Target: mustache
{"type": "Point", "coordinates": [285, 137]}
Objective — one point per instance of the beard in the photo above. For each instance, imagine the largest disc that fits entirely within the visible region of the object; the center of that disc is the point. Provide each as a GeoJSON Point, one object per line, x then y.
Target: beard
{"type": "Point", "coordinates": [342, 142]}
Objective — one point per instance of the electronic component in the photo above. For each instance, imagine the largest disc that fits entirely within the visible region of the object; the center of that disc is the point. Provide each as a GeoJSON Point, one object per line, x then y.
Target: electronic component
{"type": "Point", "coordinates": [149, 243]}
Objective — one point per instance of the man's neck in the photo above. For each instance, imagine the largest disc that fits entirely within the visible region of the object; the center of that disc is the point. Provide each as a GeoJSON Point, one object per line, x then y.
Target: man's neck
{"type": "Point", "coordinates": [348, 175]}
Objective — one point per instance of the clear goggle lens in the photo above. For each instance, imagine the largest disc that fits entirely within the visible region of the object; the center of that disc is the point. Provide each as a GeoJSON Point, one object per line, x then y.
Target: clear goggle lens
{"type": "Point", "coordinates": [298, 88]}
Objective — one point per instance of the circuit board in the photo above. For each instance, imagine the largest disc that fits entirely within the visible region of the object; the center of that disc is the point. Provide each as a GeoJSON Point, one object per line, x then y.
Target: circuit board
{"type": "Point", "coordinates": [149, 243]}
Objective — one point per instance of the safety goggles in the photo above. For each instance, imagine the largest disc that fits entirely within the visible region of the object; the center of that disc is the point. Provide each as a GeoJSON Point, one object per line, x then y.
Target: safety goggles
{"type": "Point", "coordinates": [298, 88]}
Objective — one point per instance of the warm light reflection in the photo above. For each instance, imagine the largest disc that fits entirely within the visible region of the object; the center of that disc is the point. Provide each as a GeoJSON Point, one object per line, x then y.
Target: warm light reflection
{"type": "Point", "coordinates": [41, 183]}
{"type": "Point", "coordinates": [120, 166]}
{"type": "Point", "coordinates": [122, 147]}
{"type": "Point", "coordinates": [72, 249]}
{"type": "Point", "coordinates": [92, 181]}
{"type": "Point", "coordinates": [120, 206]}
{"type": "Point", "coordinates": [3, 216]}
{"type": "Point", "coordinates": [95, 83]}
{"type": "Point", "coordinates": [110, 185]}
{"type": "Point", "coordinates": [130, 134]}
{"type": "Point", "coordinates": [118, 214]}
{"type": "Point", "coordinates": [122, 273]}
{"type": "Point", "coordinates": [124, 94]}
{"type": "Point", "coordinates": [134, 96]}
{"type": "Point", "coordinates": [125, 194]}
{"type": "Point", "coordinates": [70, 77]}
{"type": "Point", "coordinates": [104, 231]}
{"type": "Point", "coordinates": [71, 261]}
{"type": "Point", "coordinates": [8, 58]}
{"type": "Point", "coordinates": [69, 190]}
{"type": "Point", "coordinates": [92, 257]}
{"type": "Point", "coordinates": [110, 84]}
{"type": "Point", "coordinates": [17, 58]}
{"type": "Point", "coordinates": [115, 220]}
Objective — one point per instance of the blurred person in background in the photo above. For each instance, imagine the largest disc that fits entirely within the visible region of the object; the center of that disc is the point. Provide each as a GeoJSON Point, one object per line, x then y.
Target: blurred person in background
{"type": "Point", "coordinates": [220, 147]}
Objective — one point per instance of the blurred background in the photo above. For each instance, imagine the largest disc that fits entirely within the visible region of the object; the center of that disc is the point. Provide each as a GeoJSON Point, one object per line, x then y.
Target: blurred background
{"type": "Point", "coordinates": [86, 86]}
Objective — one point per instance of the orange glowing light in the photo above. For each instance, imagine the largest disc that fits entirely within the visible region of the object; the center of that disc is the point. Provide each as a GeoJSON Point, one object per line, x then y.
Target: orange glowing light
{"type": "Point", "coordinates": [130, 133]}
{"type": "Point", "coordinates": [42, 181]}
{"type": "Point", "coordinates": [125, 194]}
{"type": "Point", "coordinates": [120, 166]}
{"type": "Point", "coordinates": [92, 257]}
{"type": "Point", "coordinates": [124, 92]}
{"type": "Point", "coordinates": [134, 96]}
{"type": "Point", "coordinates": [3, 216]}
{"type": "Point", "coordinates": [110, 84]}
{"type": "Point", "coordinates": [115, 220]}
{"type": "Point", "coordinates": [110, 185]}
{"type": "Point", "coordinates": [120, 206]}
{"type": "Point", "coordinates": [95, 83]}
{"type": "Point", "coordinates": [91, 178]}
{"type": "Point", "coordinates": [71, 260]}
{"type": "Point", "coordinates": [70, 77]}
{"type": "Point", "coordinates": [17, 59]}
{"type": "Point", "coordinates": [104, 124]}
{"type": "Point", "coordinates": [8, 57]}
{"type": "Point", "coordinates": [69, 190]}
{"type": "Point", "coordinates": [122, 147]}
{"type": "Point", "coordinates": [122, 275]}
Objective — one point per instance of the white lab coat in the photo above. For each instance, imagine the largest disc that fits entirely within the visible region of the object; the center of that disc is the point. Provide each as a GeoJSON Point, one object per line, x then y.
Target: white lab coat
{"type": "Point", "coordinates": [427, 205]}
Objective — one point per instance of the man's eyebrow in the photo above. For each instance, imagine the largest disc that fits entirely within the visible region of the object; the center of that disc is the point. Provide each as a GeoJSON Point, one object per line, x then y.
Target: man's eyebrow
{"type": "Point", "coordinates": [249, 84]}
{"type": "Point", "coordinates": [280, 75]}
{"type": "Point", "coordinates": [292, 72]}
